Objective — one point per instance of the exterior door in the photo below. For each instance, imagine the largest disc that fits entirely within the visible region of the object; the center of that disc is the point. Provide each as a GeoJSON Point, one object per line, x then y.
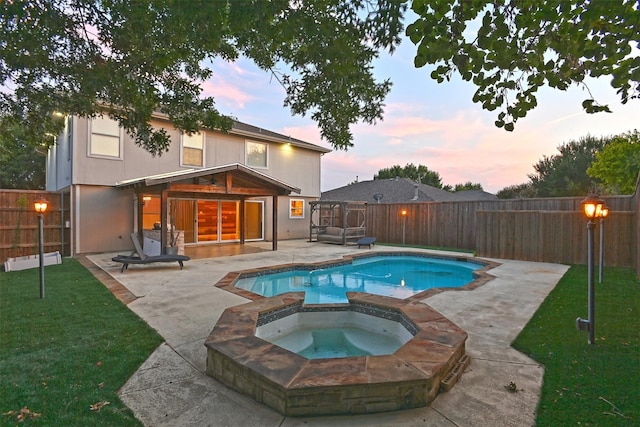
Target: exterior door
{"type": "Point", "coordinates": [253, 220]}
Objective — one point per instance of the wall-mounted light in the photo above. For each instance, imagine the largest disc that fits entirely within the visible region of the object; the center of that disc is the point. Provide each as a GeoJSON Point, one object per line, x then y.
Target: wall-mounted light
{"type": "Point", "coordinates": [145, 199]}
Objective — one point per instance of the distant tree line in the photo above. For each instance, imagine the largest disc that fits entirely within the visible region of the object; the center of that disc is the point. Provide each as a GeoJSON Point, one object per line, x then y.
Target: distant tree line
{"type": "Point", "coordinates": [423, 175]}
{"type": "Point", "coordinates": [605, 165]}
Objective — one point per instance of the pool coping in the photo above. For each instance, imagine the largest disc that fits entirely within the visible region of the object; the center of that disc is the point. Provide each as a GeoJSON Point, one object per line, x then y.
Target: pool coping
{"type": "Point", "coordinates": [481, 276]}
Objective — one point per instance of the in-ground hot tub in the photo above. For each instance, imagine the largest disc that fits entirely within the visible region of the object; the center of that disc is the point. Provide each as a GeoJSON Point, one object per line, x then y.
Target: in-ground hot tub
{"type": "Point", "coordinates": [351, 333]}
{"type": "Point", "coordinates": [430, 357]}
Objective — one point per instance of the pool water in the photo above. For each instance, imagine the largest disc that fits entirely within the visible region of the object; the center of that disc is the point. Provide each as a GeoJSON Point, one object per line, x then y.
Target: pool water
{"type": "Point", "coordinates": [330, 343]}
{"type": "Point", "coordinates": [394, 276]}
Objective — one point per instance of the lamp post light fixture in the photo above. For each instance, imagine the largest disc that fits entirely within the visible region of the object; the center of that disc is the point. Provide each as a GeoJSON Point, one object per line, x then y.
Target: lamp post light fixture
{"type": "Point", "coordinates": [403, 212]}
{"type": "Point", "coordinates": [603, 214]}
{"type": "Point", "coordinates": [41, 207]}
{"type": "Point", "coordinates": [592, 207]}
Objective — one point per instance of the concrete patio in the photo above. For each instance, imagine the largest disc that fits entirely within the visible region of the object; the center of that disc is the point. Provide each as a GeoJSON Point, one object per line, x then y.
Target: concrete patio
{"type": "Point", "coordinates": [171, 388]}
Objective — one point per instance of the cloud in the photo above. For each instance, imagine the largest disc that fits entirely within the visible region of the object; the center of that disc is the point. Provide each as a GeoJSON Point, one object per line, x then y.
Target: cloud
{"type": "Point", "coordinates": [226, 93]}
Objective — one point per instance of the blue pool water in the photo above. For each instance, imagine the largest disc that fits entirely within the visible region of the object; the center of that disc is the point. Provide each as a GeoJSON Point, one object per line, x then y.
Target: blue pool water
{"type": "Point", "coordinates": [331, 343]}
{"type": "Point", "coordinates": [394, 276]}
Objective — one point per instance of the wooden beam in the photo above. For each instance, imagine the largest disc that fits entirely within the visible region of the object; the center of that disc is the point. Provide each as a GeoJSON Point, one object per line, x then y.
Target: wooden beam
{"type": "Point", "coordinates": [214, 189]}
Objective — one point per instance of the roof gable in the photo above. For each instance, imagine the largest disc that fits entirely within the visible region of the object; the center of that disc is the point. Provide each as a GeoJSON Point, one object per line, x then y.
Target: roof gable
{"type": "Point", "coordinates": [242, 176]}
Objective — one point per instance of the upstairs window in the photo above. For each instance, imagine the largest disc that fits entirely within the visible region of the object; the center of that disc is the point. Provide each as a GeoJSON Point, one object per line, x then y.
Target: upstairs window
{"type": "Point", "coordinates": [193, 149]}
{"type": "Point", "coordinates": [257, 154]}
{"type": "Point", "coordinates": [105, 139]}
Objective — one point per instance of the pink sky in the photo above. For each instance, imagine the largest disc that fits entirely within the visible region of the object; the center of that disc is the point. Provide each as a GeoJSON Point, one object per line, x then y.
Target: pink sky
{"type": "Point", "coordinates": [427, 123]}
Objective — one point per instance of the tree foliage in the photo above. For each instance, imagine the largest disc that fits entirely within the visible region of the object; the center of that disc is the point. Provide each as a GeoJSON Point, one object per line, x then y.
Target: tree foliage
{"type": "Point", "coordinates": [464, 187]}
{"type": "Point", "coordinates": [510, 48]}
{"type": "Point", "coordinates": [131, 59]}
{"type": "Point", "coordinates": [519, 191]}
{"type": "Point", "coordinates": [23, 154]}
{"type": "Point", "coordinates": [565, 174]}
{"type": "Point", "coordinates": [419, 173]}
{"type": "Point", "coordinates": [617, 165]}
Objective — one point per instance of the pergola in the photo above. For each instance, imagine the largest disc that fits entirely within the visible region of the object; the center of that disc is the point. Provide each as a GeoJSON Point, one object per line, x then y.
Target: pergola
{"type": "Point", "coordinates": [231, 182]}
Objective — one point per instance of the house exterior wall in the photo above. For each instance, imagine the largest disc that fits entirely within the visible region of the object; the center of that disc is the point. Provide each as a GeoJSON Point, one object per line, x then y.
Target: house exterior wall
{"type": "Point", "coordinates": [293, 165]}
{"type": "Point", "coordinates": [59, 158]}
{"type": "Point", "coordinates": [103, 217]}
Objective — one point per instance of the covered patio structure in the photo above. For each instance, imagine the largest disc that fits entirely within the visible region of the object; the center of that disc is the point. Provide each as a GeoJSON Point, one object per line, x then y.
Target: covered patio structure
{"type": "Point", "coordinates": [233, 182]}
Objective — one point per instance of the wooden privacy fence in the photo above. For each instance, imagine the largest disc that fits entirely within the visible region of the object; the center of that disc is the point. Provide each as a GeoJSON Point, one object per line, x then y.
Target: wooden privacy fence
{"type": "Point", "coordinates": [544, 230]}
{"type": "Point", "coordinates": [554, 236]}
{"type": "Point", "coordinates": [19, 223]}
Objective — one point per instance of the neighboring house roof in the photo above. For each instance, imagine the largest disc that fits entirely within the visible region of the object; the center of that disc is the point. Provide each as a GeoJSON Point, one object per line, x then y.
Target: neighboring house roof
{"type": "Point", "coordinates": [182, 175]}
{"type": "Point", "coordinates": [400, 190]}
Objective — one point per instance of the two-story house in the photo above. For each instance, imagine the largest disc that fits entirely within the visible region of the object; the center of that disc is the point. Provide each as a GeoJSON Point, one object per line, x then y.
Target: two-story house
{"type": "Point", "coordinates": [210, 187]}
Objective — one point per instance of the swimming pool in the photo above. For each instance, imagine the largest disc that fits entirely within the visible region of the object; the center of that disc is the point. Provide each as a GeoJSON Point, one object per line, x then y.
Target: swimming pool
{"type": "Point", "coordinates": [395, 275]}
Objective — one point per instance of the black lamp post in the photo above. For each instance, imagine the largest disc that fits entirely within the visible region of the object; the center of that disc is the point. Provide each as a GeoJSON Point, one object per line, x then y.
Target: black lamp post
{"type": "Point", "coordinates": [41, 207]}
{"type": "Point", "coordinates": [592, 207]}
{"type": "Point", "coordinates": [403, 212]}
{"type": "Point", "coordinates": [603, 215]}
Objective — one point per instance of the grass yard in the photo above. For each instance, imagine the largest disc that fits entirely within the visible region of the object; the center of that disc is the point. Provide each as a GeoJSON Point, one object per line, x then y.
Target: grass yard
{"type": "Point", "coordinates": [588, 385]}
{"type": "Point", "coordinates": [63, 358]}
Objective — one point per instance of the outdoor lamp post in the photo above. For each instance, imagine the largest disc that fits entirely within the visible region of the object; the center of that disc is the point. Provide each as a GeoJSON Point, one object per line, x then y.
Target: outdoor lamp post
{"type": "Point", "coordinates": [592, 207]}
{"type": "Point", "coordinates": [603, 214]}
{"type": "Point", "coordinates": [403, 212]}
{"type": "Point", "coordinates": [41, 207]}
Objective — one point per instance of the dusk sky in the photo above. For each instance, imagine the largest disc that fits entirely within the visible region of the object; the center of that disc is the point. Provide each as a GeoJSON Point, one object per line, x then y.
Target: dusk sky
{"type": "Point", "coordinates": [427, 123]}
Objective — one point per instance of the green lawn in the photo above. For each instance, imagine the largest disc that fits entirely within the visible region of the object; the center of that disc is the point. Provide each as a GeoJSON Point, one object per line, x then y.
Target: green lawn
{"type": "Point", "coordinates": [64, 356]}
{"type": "Point", "coordinates": [588, 385]}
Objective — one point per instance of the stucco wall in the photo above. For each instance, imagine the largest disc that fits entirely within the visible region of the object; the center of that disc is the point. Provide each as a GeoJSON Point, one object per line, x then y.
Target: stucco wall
{"type": "Point", "coordinates": [104, 219]}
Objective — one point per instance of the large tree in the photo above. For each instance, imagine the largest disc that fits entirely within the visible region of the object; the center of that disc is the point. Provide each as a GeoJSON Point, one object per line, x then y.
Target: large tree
{"type": "Point", "coordinates": [134, 58]}
{"type": "Point", "coordinates": [565, 174]}
{"type": "Point", "coordinates": [511, 48]}
{"type": "Point", "coordinates": [617, 165]}
{"type": "Point", "coordinates": [137, 57]}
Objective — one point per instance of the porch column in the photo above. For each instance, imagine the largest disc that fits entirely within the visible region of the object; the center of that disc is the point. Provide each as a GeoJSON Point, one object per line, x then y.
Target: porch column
{"type": "Point", "coordinates": [274, 243]}
{"type": "Point", "coordinates": [242, 219]}
{"type": "Point", "coordinates": [164, 210]}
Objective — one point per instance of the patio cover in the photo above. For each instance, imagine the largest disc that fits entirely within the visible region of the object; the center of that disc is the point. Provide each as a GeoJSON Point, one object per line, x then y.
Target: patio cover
{"type": "Point", "coordinates": [231, 182]}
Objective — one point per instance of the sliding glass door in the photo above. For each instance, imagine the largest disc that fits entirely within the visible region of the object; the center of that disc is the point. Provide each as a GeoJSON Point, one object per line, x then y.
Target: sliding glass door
{"type": "Point", "coordinates": [217, 221]}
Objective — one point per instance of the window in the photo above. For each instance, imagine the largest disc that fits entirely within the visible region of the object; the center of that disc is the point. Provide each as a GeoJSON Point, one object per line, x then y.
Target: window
{"type": "Point", "coordinates": [296, 208]}
{"type": "Point", "coordinates": [193, 149]}
{"type": "Point", "coordinates": [105, 138]}
{"type": "Point", "coordinates": [256, 154]}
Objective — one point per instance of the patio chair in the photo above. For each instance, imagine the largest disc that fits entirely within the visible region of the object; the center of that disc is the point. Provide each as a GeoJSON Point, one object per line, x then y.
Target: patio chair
{"type": "Point", "coordinates": [142, 258]}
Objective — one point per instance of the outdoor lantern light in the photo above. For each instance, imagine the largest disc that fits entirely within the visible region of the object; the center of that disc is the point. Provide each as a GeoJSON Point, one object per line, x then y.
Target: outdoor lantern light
{"type": "Point", "coordinates": [41, 207]}
{"type": "Point", "coordinates": [593, 207]}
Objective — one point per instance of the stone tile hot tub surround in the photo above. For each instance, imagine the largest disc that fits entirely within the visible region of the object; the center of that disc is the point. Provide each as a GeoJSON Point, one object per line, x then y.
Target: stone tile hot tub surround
{"type": "Point", "coordinates": [295, 386]}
